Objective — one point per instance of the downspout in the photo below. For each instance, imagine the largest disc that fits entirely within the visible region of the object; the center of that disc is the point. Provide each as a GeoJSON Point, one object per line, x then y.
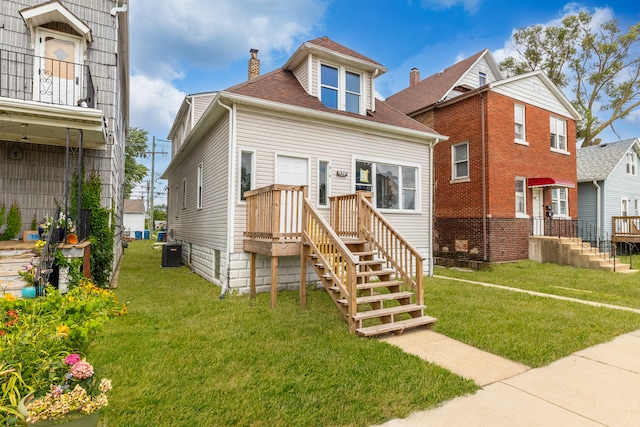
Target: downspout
{"type": "Point", "coordinates": [230, 195]}
{"type": "Point", "coordinates": [484, 182]}
{"type": "Point", "coordinates": [373, 89]}
{"type": "Point", "coordinates": [431, 201]}
{"type": "Point", "coordinates": [598, 195]}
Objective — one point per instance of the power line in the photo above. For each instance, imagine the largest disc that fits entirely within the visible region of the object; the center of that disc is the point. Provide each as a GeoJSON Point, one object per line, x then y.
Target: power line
{"type": "Point", "coordinates": [153, 153]}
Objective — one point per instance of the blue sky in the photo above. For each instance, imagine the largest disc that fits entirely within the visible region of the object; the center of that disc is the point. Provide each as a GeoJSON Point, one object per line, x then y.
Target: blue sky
{"type": "Point", "coordinates": [191, 46]}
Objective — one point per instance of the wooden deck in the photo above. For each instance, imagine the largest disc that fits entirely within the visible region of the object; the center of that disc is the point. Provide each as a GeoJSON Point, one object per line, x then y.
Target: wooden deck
{"type": "Point", "coordinates": [625, 229]}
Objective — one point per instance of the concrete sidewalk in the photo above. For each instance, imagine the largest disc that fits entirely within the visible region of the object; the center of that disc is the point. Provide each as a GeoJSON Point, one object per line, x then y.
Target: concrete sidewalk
{"type": "Point", "coordinates": [598, 386]}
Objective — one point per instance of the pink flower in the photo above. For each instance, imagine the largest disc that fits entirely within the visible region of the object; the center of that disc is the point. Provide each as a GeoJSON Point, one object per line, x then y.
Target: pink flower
{"type": "Point", "coordinates": [82, 370]}
{"type": "Point", "coordinates": [72, 359]}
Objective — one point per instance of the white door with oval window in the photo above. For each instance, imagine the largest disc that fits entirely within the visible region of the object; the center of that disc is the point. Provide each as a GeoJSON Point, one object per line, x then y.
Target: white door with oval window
{"type": "Point", "coordinates": [291, 171]}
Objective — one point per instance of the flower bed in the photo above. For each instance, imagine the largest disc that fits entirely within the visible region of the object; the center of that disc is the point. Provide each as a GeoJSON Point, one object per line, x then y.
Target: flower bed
{"type": "Point", "coordinates": [36, 333]}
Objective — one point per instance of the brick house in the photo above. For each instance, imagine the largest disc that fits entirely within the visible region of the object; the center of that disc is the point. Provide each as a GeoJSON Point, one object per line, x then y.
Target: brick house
{"type": "Point", "coordinates": [508, 169]}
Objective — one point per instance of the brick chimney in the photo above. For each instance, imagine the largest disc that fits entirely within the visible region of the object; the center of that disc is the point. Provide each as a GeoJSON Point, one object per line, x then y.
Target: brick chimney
{"type": "Point", "coordinates": [254, 64]}
{"type": "Point", "coordinates": [414, 77]}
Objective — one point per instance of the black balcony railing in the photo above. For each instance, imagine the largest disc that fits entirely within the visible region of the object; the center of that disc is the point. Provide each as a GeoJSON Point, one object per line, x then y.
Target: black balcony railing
{"type": "Point", "coordinates": [34, 78]}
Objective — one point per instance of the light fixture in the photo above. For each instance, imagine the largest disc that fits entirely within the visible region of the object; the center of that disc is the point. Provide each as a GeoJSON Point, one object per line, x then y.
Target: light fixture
{"type": "Point", "coordinates": [24, 137]}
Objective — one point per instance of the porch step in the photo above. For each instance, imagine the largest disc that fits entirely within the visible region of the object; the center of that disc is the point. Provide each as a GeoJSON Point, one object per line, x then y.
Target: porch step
{"type": "Point", "coordinates": [401, 309]}
{"type": "Point", "coordinates": [397, 327]}
{"type": "Point", "coordinates": [379, 298]}
{"type": "Point", "coordinates": [378, 284]}
{"type": "Point", "coordinates": [370, 273]}
{"type": "Point", "coordinates": [364, 254]}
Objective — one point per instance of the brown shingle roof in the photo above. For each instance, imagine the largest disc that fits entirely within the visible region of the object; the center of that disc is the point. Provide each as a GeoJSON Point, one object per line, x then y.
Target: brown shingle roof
{"type": "Point", "coordinates": [432, 89]}
{"type": "Point", "coordinates": [282, 86]}
{"type": "Point", "coordinates": [133, 206]}
{"type": "Point", "coordinates": [327, 43]}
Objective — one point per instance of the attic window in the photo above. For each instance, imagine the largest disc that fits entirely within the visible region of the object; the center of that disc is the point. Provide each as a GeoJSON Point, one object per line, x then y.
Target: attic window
{"type": "Point", "coordinates": [340, 89]}
{"type": "Point", "coordinates": [482, 78]}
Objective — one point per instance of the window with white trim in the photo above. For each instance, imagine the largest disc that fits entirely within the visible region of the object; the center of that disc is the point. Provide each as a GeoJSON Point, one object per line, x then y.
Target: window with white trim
{"type": "Point", "coordinates": [340, 89]}
{"type": "Point", "coordinates": [519, 119]}
{"type": "Point", "coordinates": [184, 193]}
{"type": "Point", "coordinates": [177, 196]}
{"type": "Point", "coordinates": [636, 205]}
{"type": "Point", "coordinates": [558, 139]}
{"type": "Point", "coordinates": [632, 161]}
{"type": "Point", "coordinates": [521, 197]}
{"type": "Point", "coordinates": [199, 187]}
{"type": "Point", "coordinates": [460, 161]}
{"type": "Point", "coordinates": [323, 183]}
{"type": "Point", "coordinates": [246, 176]}
{"type": "Point", "coordinates": [482, 78]}
{"type": "Point", "coordinates": [394, 186]}
{"type": "Point", "coordinates": [560, 202]}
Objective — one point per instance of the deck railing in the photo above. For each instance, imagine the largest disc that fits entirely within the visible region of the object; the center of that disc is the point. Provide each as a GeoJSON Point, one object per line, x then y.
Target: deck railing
{"type": "Point", "coordinates": [353, 215]}
{"type": "Point", "coordinates": [34, 78]}
{"type": "Point", "coordinates": [625, 228]}
{"type": "Point", "coordinates": [333, 254]}
{"type": "Point", "coordinates": [275, 212]}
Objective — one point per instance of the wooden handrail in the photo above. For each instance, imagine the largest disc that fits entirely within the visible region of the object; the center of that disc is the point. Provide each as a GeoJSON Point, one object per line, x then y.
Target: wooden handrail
{"type": "Point", "coordinates": [331, 251]}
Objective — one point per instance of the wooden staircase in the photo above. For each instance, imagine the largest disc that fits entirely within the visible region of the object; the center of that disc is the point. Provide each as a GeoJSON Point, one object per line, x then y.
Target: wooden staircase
{"type": "Point", "coordinates": [371, 273]}
{"type": "Point", "coordinates": [14, 256]}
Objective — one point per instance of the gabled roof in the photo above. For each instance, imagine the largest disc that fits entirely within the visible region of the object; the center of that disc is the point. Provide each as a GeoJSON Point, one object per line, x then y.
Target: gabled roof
{"type": "Point", "coordinates": [54, 11]}
{"type": "Point", "coordinates": [133, 206]}
{"type": "Point", "coordinates": [324, 47]}
{"type": "Point", "coordinates": [281, 86]}
{"type": "Point", "coordinates": [436, 87]}
{"type": "Point", "coordinates": [596, 163]}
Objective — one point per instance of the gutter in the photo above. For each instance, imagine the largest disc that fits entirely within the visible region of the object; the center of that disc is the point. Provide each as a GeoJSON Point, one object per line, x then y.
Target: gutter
{"type": "Point", "coordinates": [484, 181]}
{"type": "Point", "coordinates": [431, 201]}
{"type": "Point", "coordinates": [230, 195]}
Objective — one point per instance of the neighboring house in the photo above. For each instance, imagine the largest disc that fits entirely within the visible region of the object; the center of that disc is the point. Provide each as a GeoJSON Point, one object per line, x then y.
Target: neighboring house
{"type": "Point", "coordinates": [314, 122]}
{"type": "Point", "coordinates": [64, 103]}
{"type": "Point", "coordinates": [608, 183]}
{"type": "Point", "coordinates": [134, 217]}
{"type": "Point", "coordinates": [509, 160]}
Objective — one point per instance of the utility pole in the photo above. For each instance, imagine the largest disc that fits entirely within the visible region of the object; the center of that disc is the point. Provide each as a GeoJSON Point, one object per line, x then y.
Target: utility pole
{"type": "Point", "coordinates": [153, 153]}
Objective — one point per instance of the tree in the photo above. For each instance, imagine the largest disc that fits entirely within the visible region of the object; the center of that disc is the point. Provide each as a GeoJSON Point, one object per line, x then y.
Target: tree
{"type": "Point", "coordinates": [599, 63]}
{"type": "Point", "coordinates": [135, 146]}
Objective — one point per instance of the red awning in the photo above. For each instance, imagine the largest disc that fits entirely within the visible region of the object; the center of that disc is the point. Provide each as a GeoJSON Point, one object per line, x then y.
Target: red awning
{"type": "Point", "coordinates": [549, 182]}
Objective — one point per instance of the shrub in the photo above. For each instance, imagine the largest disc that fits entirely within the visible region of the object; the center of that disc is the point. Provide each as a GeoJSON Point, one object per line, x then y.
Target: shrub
{"type": "Point", "coordinates": [14, 222]}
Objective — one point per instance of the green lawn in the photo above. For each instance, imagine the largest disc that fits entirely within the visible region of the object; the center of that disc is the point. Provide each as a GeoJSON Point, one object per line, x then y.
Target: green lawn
{"type": "Point", "coordinates": [182, 356]}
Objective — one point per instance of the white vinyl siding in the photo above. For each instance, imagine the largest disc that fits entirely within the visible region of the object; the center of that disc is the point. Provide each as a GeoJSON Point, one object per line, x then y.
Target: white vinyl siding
{"type": "Point", "coordinates": [532, 92]}
{"type": "Point", "coordinates": [184, 193]}
{"type": "Point", "coordinates": [460, 161]}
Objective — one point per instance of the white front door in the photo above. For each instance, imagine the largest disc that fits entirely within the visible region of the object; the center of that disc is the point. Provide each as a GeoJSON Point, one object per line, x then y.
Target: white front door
{"type": "Point", "coordinates": [538, 211]}
{"type": "Point", "coordinates": [57, 68]}
{"type": "Point", "coordinates": [291, 171]}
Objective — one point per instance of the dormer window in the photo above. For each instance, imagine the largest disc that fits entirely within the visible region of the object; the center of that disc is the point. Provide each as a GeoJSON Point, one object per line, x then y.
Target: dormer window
{"type": "Point", "coordinates": [482, 78]}
{"type": "Point", "coordinates": [340, 89]}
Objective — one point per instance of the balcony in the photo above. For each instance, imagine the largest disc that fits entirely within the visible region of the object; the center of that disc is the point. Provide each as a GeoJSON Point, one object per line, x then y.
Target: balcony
{"type": "Point", "coordinates": [41, 98]}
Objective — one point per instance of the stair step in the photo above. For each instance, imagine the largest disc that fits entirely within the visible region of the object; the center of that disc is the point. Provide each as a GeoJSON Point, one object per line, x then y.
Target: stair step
{"type": "Point", "coordinates": [372, 314]}
{"type": "Point", "coordinates": [365, 253]}
{"type": "Point", "coordinates": [379, 298]}
{"type": "Point", "coordinates": [396, 326]}
{"type": "Point", "coordinates": [378, 284]}
{"type": "Point", "coordinates": [370, 273]}
{"type": "Point", "coordinates": [371, 261]}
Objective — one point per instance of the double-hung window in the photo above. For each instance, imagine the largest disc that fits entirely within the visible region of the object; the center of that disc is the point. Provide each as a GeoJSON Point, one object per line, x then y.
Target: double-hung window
{"type": "Point", "coordinates": [558, 128]}
{"type": "Point", "coordinates": [521, 199]}
{"type": "Point", "coordinates": [560, 202]}
{"type": "Point", "coordinates": [394, 186]}
{"type": "Point", "coordinates": [519, 119]}
{"type": "Point", "coordinates": [624, 207]}
{"type": "Point", "coordinates": [246, 172]}
{"type": "Point", "coordinates": [460, 161]}
{"type": "Point", "coordinates": [199, 188]}
{"type": "Point", "coordinates": [482, 78]}
{"type": "Point", "coordinates": [340, 89]}
{"type": "Point", "coordinates": [631, 159]}
{"type": "Point", "coordinates": [323, 183]}
{"type": "Point", "coordinates": [184, 193]}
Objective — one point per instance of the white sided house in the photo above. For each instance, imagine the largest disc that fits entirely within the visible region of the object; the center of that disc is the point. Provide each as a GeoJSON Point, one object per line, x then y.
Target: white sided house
{"type": "Point", "coordinates": [305, 163]}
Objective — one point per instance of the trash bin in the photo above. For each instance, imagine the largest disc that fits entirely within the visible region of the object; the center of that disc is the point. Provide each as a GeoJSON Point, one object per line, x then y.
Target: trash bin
{"type": "Point", "coordinates": [146, 234]}
{"type": "Point", "coordinates": [171, 255]}
{"type": "Point", "coordinates": [138, 235]}
{"type": "Point", "coordinates": [162, 236]}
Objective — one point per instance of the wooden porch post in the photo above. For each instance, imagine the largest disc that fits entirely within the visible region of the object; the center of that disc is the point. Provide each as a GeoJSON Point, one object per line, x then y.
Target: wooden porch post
{"type": "Point", "coordinates": [252, 268]}
{"type": "Point", "coordinates": [304, 251]}
{"type": "Point", "coordinates": [274, 280]}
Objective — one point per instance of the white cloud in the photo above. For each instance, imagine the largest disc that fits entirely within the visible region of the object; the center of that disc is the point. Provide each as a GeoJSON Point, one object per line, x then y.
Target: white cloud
{"type": "Point", "coordinates": [154, 103]}
{"type": "Point", "coordinates": [470, 6]}
{"type": "Point", "coordinates": [169, 36]}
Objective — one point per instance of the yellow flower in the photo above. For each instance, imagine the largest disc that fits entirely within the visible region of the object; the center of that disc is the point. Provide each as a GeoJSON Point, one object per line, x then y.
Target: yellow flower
{"type": "Point", "coordinates": [10, 297]}
{"type": "Point", "coordinates": [62, 331]}
{"type": "Point", "coordinates": [124, 310]}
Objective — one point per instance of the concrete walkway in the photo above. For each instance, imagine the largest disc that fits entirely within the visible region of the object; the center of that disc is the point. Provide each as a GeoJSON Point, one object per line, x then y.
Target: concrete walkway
{"type": "Point", "coordinates": [598, 386]}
